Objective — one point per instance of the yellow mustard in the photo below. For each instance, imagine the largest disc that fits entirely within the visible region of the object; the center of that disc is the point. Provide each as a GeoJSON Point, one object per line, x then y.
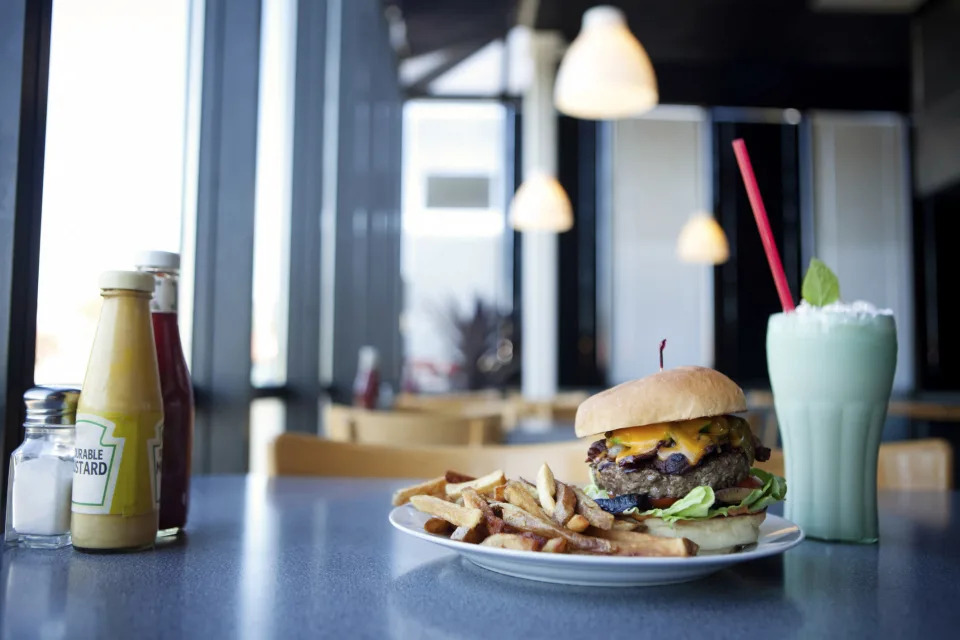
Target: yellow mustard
{"type": "Point", "coordinates": [119, 433]}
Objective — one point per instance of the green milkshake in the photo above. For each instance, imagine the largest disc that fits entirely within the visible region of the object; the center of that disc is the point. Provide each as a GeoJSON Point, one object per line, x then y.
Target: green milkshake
{"type": "Point", "coordinates": [831, 370]}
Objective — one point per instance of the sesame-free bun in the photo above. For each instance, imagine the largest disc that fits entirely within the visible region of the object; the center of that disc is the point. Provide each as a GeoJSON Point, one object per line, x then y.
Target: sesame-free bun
{"type": "Point", "coordinates": [678, 394]}
{"type": "Point", "coordinates": [716, 535]}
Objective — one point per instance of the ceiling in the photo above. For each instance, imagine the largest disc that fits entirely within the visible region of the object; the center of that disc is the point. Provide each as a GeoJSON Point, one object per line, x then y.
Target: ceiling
{"type": "Point", "coordinates": [845, 54]}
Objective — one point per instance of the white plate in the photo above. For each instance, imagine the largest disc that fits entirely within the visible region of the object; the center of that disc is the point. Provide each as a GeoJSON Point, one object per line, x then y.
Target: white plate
{"type": "Point", "coordinates": [776, 536]}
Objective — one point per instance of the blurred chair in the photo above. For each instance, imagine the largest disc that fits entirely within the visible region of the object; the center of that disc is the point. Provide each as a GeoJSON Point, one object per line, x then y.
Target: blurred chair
{"type": "Point", "coordinates": [410, 427]}
{"type": "Point", "coordinates": [302, 455]}
{"type": "Point", "coordinates": [911, 465]}
{"type": "Point", "coordinates": [561, 408]}
{"type": "Point", "coordinates": [916, 465]}
{"type": "Point", "coordinates": [338, 422]}
{"type": "Point", "coordinates": [467, 403]}
{"type": "Point", "coordinates": [432, 401]}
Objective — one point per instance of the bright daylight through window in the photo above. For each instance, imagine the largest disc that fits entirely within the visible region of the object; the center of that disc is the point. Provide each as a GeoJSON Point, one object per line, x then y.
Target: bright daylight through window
{"type": "Point", "coordinates": [113, 179]}
{"type": "Point", "coordinates": [455, 258]}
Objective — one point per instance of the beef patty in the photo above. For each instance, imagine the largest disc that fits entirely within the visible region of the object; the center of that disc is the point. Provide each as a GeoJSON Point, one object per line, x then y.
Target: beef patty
{"type": "Point", "coordinates": [718, 470]}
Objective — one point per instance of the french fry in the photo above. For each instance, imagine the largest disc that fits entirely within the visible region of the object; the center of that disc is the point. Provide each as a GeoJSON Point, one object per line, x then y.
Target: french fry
{"type": "Point", "coordinates": [546, 489]}
{"type": "Point", "coordinates": [483, 484]}
{"type": "Point", "coordinates": [455, 477]}
{"type": "Point", "coordinates": [452, 513]}
{"type": "Point", "coordinates": [633, 543]}
{"type": "Point", "coordinates": [433, 487]}
{"type": "Point", "coordinates": [540, 540]}
{"type": "Point", "coordinates": [626, 525]}
{"type": "Point", "coordinates": [549, 516]}
{"type": "Point", "coordinates": [517, 494]}
{"type": "Point", "coordinates": [517, 517]}
{"type": "Point", "coordinates": [474, 500]}
{"type": "Point", "coordinates": [531, 488]}
{"type": "Point", "coordinates": [555, 545]}
{"type": "Point", "coordinates": [510, 541]}
{"type": "Point", "coordinates": [577, 523]}
{"type": "Point", "coordinates": [473, 535]}
{"type": "Point", "coordinates": [566, 504]}
{"type": "Point", "coordinates": [591, 510]}
{"type": "Point", "coordinates": [438, 526]}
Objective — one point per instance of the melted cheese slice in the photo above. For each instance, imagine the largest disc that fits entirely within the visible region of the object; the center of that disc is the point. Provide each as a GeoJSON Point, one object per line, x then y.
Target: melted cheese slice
{"type": "Point", "coordinates": [692, 438]}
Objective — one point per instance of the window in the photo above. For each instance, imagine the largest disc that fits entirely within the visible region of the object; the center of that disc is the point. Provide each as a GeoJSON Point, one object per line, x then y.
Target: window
{"type": "Point", "coordinates": [271, 233]}
{"type": "Point", "coordinates": [113, 178]}
{"type": "Point", "coordinates": [456, 249]}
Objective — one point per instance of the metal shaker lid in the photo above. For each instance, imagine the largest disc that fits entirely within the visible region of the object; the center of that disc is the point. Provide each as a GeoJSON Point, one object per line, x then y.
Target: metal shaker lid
{"type": "Point", "coordinates": [51, 406]}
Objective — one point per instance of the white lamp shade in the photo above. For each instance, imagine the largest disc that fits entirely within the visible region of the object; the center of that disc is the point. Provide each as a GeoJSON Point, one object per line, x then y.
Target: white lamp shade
{"type": "Point", "coordinates": [541, 204]}
{"type": "Point", "coordinates": [606, 73]}
{"type": "Point", "coordinates": [703, 241]}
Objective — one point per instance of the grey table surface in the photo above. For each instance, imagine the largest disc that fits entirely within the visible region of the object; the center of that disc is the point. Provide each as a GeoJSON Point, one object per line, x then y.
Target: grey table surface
{"type": "Point", "coordinates": [307, 558]}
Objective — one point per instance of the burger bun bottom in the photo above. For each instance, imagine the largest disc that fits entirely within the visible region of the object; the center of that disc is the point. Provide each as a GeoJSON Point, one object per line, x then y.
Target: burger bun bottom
{"type": "Point", "coordinates": [716, 535]}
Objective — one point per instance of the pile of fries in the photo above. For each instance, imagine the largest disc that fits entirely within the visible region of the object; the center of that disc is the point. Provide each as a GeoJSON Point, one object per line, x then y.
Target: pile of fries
{"type": "Point", "coordinates": [548, 516]}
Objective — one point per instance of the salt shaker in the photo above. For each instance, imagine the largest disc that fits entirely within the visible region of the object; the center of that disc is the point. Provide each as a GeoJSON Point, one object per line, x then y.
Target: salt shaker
{"type": "Point", "coordinates": [41, 470]}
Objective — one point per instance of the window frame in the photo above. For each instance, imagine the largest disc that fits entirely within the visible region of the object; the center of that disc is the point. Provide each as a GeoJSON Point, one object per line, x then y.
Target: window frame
{"type": "Point", "coordinates": [23, 109]}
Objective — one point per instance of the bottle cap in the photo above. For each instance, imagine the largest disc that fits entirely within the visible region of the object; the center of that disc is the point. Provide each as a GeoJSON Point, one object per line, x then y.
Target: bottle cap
{"type": "Point", "coordinates": [129, 280]}
{"type": "Point", "coordinates": [158, 260]}
{"type": "Point", "coordinates": [51, 406]}
{"type": "Point", "coordinates": [369, 358]}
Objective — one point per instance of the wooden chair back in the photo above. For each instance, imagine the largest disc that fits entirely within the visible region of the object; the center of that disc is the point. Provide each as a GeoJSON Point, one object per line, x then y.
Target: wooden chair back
{"type": "Point", "coordinates": [446, 401]}
{"type": "Point", "coordinates": [469, 404]}
{"type": "Point", "coordinates": [911, 465]}
{"type": "Point", "coordinates": [916, 465]}
{"type": "Point", "coordinates": [562, 407]}
{"type": "Point", "coordinates": [303, 455]}
{"type": "Point", "coordinates": [409, 427]}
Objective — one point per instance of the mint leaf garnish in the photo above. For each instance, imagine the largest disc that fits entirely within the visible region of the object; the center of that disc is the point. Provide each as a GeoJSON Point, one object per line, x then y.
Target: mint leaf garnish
{"type": "Point", "coordinates": [820, 285]}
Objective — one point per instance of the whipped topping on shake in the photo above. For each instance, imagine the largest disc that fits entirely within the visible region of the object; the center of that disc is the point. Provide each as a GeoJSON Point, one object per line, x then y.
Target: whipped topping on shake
{"type": "Point", "coordinates": [858, 308]}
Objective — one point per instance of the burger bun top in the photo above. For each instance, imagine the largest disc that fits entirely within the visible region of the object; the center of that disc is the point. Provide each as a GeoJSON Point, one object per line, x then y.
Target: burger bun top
{"type": "Point", "coordinates": [683, 393]}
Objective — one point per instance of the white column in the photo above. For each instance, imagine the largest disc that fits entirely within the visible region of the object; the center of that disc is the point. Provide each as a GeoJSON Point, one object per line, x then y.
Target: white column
{"type": "Point", "coordinates": [539, 285]}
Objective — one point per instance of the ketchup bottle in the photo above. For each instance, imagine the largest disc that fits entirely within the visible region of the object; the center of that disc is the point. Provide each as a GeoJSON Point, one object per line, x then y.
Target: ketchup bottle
{"type": "Point", "coordinates": [176, 389]}
{"type": "Point", "coordinates": [366, 386]}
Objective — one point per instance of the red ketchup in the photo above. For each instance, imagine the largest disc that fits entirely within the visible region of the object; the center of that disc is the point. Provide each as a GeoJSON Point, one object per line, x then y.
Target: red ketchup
{"type": "Point", "coordinates": [176, 389]}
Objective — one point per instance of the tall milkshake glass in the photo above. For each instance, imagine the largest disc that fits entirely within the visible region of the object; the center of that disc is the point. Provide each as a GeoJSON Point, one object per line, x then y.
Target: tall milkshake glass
{"type": "Point", "coordinates": [831, 371]}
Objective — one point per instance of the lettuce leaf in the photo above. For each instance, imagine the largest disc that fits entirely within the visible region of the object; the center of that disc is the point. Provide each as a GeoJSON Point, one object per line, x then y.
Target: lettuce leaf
{"type": "Point", "coordinates": [693, 506]}
{"type": "Point", "coordinates": [698, 504]}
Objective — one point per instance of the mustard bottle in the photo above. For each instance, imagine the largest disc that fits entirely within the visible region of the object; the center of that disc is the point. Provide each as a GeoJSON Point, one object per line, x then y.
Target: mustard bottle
{"type": "Point", "coordinates": [119, 432]}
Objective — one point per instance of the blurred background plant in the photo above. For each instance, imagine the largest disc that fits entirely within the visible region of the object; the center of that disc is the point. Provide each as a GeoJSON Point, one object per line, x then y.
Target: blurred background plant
{"type": "Point", "coordinates": [486, 343]}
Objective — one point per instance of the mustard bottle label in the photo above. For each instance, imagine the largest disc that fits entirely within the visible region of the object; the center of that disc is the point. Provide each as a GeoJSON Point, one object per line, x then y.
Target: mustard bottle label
{"type": "Point", "coordinates": [117, 464]}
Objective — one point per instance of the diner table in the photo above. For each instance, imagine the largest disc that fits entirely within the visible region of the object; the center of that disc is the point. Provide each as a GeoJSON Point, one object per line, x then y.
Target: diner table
{"type": "Point", "coordinates": [316, 557]}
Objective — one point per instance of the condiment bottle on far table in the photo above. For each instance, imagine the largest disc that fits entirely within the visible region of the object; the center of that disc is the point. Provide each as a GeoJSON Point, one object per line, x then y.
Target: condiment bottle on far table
{"type": "Point", "coordinates": [366, 386]}
{"type": "Point", "coordinates": [119, 433]}
{"type": "Point", "coordinates": [176, 389]}
{"type": "Point", "coordinates": [41, 470]}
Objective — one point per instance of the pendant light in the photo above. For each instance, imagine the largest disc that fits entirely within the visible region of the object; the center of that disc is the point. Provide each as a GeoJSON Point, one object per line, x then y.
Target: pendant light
{"type": "Point", "coordinates": [541, 204]}
{"type": "Point", "coordinates": [606, 73]}
{"type": "Point", "coordinates": [702, 241]}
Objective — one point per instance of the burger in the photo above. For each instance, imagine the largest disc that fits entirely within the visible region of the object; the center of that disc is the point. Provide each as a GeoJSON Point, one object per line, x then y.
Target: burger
{"type": "Point", "coordinates": [673, 454]}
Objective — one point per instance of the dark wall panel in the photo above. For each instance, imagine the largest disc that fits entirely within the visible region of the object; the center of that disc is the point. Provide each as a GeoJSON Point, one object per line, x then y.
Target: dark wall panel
{"type": "Point", "coordinates": [225, 216]}
{"type": "Point", "coordinates": [577, 252]}
{"type": "Point", "coordinates": [367, 287]}
{"type": "Point", "coordinates": [303, 323]}
{"type": "Point", "coordinates": [937, 96]}
{"type": "Point", "coordinates": [745, 294]}
{"type": "Point", "coordinates": [938, 341]}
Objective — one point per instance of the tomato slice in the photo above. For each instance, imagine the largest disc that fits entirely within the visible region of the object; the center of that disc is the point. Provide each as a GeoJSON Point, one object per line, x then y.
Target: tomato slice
{"type": "Point", "coordinates": [662, 503]}
{"type": "Point", "coordinates": [751, 482]}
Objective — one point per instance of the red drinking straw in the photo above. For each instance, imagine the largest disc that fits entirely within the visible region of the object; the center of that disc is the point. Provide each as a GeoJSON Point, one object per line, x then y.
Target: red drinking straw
{"type": "Point", "coordinates": [760, 213]}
